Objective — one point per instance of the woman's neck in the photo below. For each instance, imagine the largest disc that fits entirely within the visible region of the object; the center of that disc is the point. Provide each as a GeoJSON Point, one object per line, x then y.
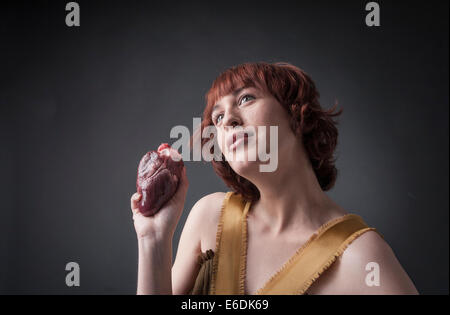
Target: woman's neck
{"type": "Point", "coordinates": [291, 198]}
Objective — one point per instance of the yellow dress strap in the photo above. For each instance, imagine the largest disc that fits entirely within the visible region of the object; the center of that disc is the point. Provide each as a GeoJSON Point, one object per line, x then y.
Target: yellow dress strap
{"type": "Point", "coordinates": [316, 255]}
{"type": "Point", "coordinates": [231, 245]}
{"type": "Point", "coordinates": [298, 273]}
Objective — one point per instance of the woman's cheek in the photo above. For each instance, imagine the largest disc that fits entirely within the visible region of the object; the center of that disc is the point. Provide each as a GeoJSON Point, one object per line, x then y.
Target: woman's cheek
{"type": "Point", "coordinates": [263, 140]}
{"type": "Point", "coordinates": [221, 143]}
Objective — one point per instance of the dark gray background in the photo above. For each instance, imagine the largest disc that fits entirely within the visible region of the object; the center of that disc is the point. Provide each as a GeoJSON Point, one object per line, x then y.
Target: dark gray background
{"type": "Point", "coordinates": [80, 106]}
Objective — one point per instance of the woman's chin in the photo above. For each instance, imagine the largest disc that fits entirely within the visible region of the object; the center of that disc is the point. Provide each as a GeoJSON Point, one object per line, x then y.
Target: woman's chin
{"type": "Point", "coordinates": [245, 168]}
{"type": "Point", "coordinates": [243, 159]}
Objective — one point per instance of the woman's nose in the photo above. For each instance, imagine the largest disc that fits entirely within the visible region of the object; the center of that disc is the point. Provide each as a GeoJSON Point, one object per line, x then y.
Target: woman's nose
{"type": "Point", "coordinates": [231, 119]}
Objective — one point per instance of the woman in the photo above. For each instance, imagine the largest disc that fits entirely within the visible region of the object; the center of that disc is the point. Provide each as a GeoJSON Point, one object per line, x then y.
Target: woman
{"type": "Point", "coordinates": [276, 232]}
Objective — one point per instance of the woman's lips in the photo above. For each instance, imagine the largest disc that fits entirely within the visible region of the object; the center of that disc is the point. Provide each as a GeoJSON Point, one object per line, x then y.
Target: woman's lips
{"type": "Point", "coordinates": [234, 145]}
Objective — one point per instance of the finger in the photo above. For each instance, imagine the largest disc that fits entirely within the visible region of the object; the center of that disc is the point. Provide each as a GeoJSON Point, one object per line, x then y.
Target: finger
{"type": "Point", "coordinates": [183, 184]}
{"type": "Point", "coordinates": [175, 155]}
{"type": "Point", "coordinates": [135, 202]}
{"type": "Point", "coordinates": [183, 178]}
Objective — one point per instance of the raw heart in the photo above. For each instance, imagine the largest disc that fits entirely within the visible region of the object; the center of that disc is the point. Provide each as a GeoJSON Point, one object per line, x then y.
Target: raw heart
{"type": "Point", "coordinates": [157, 179]}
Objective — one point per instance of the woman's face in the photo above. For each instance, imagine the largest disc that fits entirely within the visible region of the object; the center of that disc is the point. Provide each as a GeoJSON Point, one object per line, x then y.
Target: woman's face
{"type": "Point", "coordinates": [249, 110]}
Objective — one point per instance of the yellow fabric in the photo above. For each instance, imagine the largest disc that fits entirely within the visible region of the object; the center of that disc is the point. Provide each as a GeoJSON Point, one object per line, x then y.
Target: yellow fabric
{"type": "Point", "coordinates": [302, 269]}
{"type": "Point", "coordinates": [203, 280]}
{"type": "Point", "coordinates": [231, 242]}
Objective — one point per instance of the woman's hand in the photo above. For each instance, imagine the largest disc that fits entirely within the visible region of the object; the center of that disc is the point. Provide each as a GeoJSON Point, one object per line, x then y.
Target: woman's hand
{"type": "Point", "coordinates": [160, 226]}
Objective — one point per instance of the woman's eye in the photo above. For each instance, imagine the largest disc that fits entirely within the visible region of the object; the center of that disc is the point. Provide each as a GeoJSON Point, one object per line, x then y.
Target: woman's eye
{"type": "Point", "coordinates": [219, 117]}
{"type": "Point", "coordinates": [244, 97]}
{"type": "Point", "coordinates": [217, 120]}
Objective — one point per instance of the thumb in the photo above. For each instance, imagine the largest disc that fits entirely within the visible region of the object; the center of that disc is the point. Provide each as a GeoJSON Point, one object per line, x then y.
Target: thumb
{"type": "Point", "coordinates": [184, 182]}
{"type": "Point", "coordinates": [183, 185]}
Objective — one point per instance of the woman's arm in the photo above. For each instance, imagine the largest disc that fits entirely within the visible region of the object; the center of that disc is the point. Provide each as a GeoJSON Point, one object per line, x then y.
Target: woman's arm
{"type": "Point", "coordinates": [155, 274]}
{"type": "Point", "coordinates": [155, 234]}
{"type": "Point", "coordinates": [201, 220]}
{"type": "Point", "coordinates": [155, 260]}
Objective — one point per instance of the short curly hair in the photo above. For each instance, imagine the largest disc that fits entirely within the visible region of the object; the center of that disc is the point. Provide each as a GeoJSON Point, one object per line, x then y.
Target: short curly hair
{"type": "Point", "coordinates": [297, 94]}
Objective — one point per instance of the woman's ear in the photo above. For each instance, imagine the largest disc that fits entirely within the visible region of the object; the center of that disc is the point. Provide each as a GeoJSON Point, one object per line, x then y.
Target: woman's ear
{"type": "Point", "coordinates": [304, 113]}
{"type": "Point", "coordinates": [296, 119]}
{"type": "Point", "coordinates": [293, 106]}
{"type": "Point", "coordinates": [303, 109]}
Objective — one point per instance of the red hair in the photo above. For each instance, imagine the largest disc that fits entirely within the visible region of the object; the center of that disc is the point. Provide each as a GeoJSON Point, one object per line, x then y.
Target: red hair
{"type": "Point", "coordinates": [297, 94]}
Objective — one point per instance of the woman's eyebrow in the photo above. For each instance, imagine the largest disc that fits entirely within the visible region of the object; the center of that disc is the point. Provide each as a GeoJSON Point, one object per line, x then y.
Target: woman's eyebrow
{"type": "Point", "coordinates": [235, 92]}
{"type": "Point", "coordinates": [215, 107]}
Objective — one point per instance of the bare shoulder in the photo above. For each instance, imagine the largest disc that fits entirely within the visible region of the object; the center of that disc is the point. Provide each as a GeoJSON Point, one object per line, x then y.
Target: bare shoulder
{"type": "Point", "coordinates": [208, 207]}
{"type": "Point", "coordinates": [210, 200]}
{"type": "Point", "coordinates": [207, 212]}
{"type": "Point", "coordinates": [367, 266]}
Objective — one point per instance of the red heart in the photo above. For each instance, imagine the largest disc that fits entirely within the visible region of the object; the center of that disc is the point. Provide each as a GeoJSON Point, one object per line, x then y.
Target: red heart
{"type": "Point", "coordinates": [157, 179]}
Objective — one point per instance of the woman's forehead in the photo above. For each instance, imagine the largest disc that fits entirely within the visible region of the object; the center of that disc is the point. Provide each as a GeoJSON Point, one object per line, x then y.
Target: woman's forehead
{"type": "Point", "coordinates": [235, 93]}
